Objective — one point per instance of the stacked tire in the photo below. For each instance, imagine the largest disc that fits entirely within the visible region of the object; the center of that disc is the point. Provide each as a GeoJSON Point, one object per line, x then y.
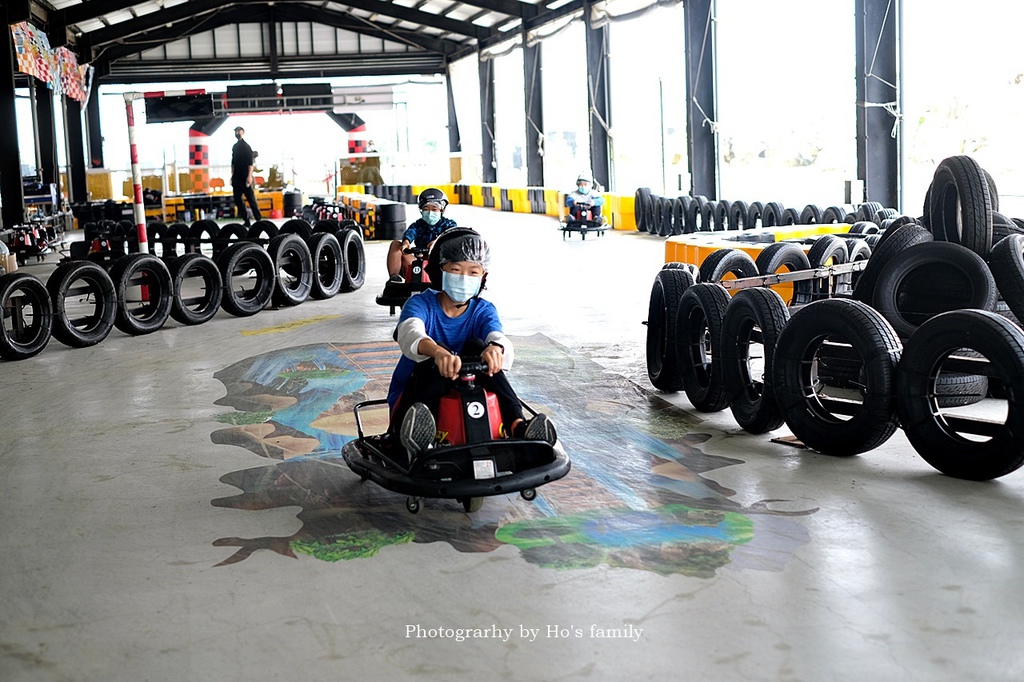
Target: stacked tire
{"type": "Point", "coordinates": [81, 301]}
{"type": "Point", "coordinates": [927, 342]}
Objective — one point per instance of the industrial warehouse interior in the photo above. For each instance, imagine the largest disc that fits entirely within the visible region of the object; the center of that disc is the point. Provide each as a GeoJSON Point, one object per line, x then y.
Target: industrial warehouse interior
{"type": "Point", "coordinates": [777, 337]}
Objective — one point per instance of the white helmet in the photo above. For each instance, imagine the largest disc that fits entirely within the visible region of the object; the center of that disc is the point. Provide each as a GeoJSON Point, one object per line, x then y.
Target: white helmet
{"type": "Point", "coordinates": [585, 176]}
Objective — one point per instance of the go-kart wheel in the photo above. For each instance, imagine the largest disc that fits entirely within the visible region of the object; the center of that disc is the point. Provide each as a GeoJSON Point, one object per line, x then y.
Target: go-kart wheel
{"type": "Point", "coordinates": [363, 476]}
{"type": "Point", "coordinates": [472, 504]}
{"type": "Point", "coordinates": [528, 494]}
{"type": "Point", "coordinates": [413, 505]}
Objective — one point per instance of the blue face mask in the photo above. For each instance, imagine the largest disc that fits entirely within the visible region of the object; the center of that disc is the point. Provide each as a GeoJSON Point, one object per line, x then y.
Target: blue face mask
{"type": "Point", "coordinates": [431, 217]}
{"type": "Point", "coordinates": [460, 288]}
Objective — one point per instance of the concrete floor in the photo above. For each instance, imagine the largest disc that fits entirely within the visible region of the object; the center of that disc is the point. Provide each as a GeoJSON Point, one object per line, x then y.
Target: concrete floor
{"type": "Point", "coordinates": [139, 543]}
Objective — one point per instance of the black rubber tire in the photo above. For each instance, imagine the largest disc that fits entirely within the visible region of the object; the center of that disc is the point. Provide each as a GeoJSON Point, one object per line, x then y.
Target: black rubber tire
{"type": "Point", "coordinates": [829, 249]}
{"type": "Point", "coordinates": [833, 214]}
{"type": "Point", "coordinates": [293, 268]}
{"type": "Point", "coordinates": [262, 231]}
{"type": "Point", "coordinates": [234, 264]}
{"type": "Point", "coordinates": [813, 417]}
{"type": "Point", "coordinates": [722, 208]}
{"type": "Point", "coordinates": [651, 214]}
{"type": "Point", "coordinates": [182, 241]}
{"type": "Point", "coordinates": [193, 311]}
{"type": "Point", "coordinates": [1007, 263]}
{"type": "Point", "coordinates": [779, 255]}
{"type": "Point", "coordinates": [662, 367]}
{"type": "Point", "coordinates": [885, 214]}
{"type": "Point", "coordinates": [679, 215]}
{"type": "Point", "coordinates": [738, 215]}
{"type": "Point", "coordinates": [694, 215]}
{"type": "Point", "coordinates": [791, 258]}
{"type": "Point", "coordinates": [937, 436]}
{"type": "Point", "coordinates": [868, 209]}
{"type": "Point", "coordinates": [932, 278]}
{"type": "Point", "coordinates": [1003, 227]}
{"type": "Point", "coordinates": [19, 292]}
{"type": "Point", "coordinates": [153, 279]}
{"type": "Point", "coordinates": [754, 212]}
{"type": "Point", "coordinates": [665, 210]}
{"type": "Point", "coordinates": [961, 206]}
{"type": "Point", "coordinates": [203, 235]}
{"type": "Point", "coordinates": [863, 227]}
{"type": "Point", "coordinates": [156, 234]}
{"type": "Point", "coordinates": [722, 262]}
{"type": "Point", "coordinates": [354, 274]}
{"type": "Point", "coordinates": [297, 226]}
{"type": "Point", "coordinates": [639, 206]}
{"type": "Point", "coordinates": [708, 214]}
{"type": "Point", "coordinates": [811, 215]}
{"type": "Point", "coordinates": [771, 216]}
{"type": "Point", "coordinates": [896, 240]}
{"type": "Point", "coordinates": [791, 216]}
{"type": "Point", "coordinates": [73, 279]}
{"type": "Point", "coordinates": [698, 345]}
{"type": "Point", "coordinates": [752, 314]}
{"type": "Point", "coordinates": [229, 234]}
{"type": "Point", "coordinates": [858, 250]}
{"type": "Point", "coordinates": [328, 265]}
{"type": "Point", "coordinates": [993, 191]}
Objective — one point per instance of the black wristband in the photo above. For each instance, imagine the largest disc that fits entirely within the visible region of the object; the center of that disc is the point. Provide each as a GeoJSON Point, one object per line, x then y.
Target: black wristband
{"type": "Point", "coordinates": [495, 343]}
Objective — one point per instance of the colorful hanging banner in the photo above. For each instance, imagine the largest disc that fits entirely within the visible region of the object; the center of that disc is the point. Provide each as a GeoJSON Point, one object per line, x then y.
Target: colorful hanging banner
{"type": "Point", "coordinates": [58, 68]}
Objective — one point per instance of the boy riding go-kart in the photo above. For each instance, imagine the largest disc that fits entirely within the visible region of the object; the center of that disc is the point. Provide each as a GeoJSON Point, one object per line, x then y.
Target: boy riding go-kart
{"type": "Point", "coordinates": [406, 256]}
{"type": "Point", "coordinates": [584, 209]}
{"type": "Point", "coordinates": [458, 429]}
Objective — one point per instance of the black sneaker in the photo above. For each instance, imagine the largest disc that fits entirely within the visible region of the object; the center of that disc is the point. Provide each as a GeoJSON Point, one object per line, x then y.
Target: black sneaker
{"type": "Point", "coordinates": [540, 428]}
{"type": "Point", "coordinates": [418, 430]}
{"type": "Point", "coordinates": [396, 279]}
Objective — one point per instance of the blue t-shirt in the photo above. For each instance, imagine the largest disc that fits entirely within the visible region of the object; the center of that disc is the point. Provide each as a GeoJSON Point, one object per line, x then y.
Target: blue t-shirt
{"type": "Point", "coordinates": [450, 332]}
{"type": "Point", "coordinates": [420, 234]}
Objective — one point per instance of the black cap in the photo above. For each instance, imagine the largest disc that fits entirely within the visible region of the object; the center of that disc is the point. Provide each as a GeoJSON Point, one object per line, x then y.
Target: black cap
{"type": "Point", "coordinates": [237, 128]}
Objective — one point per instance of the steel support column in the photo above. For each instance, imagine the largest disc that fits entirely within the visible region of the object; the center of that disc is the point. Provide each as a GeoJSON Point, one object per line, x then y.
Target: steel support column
{"type": "Point", "coordinates": [78, 189]}
{"type": "Point", "coordinates": [699, 43]}
{"type": "Point", "coordinates": [92, 125]}
{"type": "Point", "coordinates": [12, 194]}
{"type": "Point", "coordinates": [46, 132]}
{"type": "Point", "coordinates": [489, 172]}
{"type": "Point", "coordinates": [877, 58]}
{"type": "Point", "coordinates": [454, 139]}
{"type": "Point", "coordinates": [533, 80]}
{"type": "Point", "coordinates": [599, 112]}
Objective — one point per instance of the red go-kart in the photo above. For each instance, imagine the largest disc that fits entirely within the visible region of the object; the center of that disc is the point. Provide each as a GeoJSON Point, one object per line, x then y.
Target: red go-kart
{"type": "Point", "coordinates": [470, 459]}
{"type": "Point", "coordinates": [395, 294]}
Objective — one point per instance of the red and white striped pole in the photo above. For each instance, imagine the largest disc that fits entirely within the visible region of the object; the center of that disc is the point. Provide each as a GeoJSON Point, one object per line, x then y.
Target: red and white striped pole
{"type": "Point", "coordinates": [140, 211]}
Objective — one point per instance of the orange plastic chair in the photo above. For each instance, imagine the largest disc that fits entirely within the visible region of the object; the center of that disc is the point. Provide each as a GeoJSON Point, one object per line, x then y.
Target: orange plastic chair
{"type": "Point", "coordinates": [259, 179]}
{"type": "Point", "coordinates": [216, 183]}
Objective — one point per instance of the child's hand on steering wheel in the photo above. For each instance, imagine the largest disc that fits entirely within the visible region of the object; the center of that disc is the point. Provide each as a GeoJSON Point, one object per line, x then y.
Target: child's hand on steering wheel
{"type": "Point", "coordinates": [448, 364]}
{"type": "Point", "coordinates": [493, 356]}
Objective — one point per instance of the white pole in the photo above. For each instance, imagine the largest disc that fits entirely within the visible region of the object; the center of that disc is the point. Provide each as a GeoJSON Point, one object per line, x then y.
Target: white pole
{"type": "Point", "coordinates": [140, 211]}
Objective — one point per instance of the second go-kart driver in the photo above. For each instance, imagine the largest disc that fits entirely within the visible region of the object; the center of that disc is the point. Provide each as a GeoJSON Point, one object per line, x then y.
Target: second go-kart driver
{"type": "Point", "coordinates": [422, 233]}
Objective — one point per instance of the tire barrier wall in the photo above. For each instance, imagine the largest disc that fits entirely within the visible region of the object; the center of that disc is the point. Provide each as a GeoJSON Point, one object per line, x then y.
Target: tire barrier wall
{"type": "Point", "coordinates": [928, 327]}
{"type": "Point", "coordinates": [195, 271]}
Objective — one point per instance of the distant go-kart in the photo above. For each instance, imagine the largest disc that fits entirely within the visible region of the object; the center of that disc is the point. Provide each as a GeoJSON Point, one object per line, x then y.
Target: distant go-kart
{"type": "Point", "coordinates": [583, 219]}
{"type": "Point", "coordinates": [395, 294]}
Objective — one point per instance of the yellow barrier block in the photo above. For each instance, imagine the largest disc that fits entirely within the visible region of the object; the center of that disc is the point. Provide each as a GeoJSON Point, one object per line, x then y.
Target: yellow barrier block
{"type": "Point", "coordinates": [520, 198]}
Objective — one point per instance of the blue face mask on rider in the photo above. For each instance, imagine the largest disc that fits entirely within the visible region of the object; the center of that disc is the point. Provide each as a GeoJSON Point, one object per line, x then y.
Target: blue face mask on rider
{"type": "Point", "coordinates": [431, 217]}
{"type": "Point", "coordinates": [460, 288]}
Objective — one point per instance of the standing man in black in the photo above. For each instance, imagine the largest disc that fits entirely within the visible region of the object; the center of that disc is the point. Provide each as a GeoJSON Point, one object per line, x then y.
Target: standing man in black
{"type": "Point", "coordinates": [242, 162]}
